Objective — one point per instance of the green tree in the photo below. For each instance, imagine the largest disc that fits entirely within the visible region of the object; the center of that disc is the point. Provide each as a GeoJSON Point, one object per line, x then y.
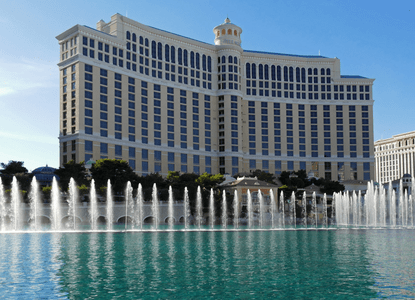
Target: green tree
{"type": "Point", "coordinates": [70, 170]}
{"type": "Point", "coordinates": [147, 183]}
{"type": "Point", "coordinates": [264, 176]}
{"type": "Point", "coordinates": [13, 167]}
{"type": "Point", "coordinates": [208, 181]}
{"type": "Point", "coordinates": [117, 171]}
{"type": "Point", "coordinates": [330, 187]}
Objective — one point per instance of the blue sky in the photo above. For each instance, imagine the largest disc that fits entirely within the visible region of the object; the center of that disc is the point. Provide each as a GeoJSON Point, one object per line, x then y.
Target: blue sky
{"type": "Point", "coordinates": [374, 39]}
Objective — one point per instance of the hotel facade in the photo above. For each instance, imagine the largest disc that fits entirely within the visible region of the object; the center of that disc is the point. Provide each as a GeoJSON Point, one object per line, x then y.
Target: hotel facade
{"type": "Point", "coordinates": [395, 157]}
{"type": "Point", "coordinates": [164, 102]}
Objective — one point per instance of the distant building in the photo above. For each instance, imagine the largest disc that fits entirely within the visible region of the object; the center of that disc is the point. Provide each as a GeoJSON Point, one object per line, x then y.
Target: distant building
{"type": "Point", "coordinates": [394, 157]}
{"type": "Point", "coordinates": [44, 175]}
{"type": "Point", "coordinates": [165, 102]}
{"type": "Point", "coordinates": [244, 184]}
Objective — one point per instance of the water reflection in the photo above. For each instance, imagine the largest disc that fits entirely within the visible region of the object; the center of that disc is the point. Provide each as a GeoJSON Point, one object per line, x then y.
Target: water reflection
{"type": "Point", "coordinates": [278, 264]}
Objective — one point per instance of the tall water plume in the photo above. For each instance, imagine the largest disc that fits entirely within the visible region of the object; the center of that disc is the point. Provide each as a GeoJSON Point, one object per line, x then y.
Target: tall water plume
{"type": "Point", "coordinates": [199, 207]}
{"type": "Point", "coordinates": [293, 212]}
{"type": "Point", "coordinates": [110, 207]}
{"type": "Point", "coordinates": [93, 211]}
{"type": "Point", "coordinates": [250, 210]}
{"type": "Point", "coordinates": [304, 210]}
{"type": "Point", "coordinates": [400, 205]}
{"type": "Point", "coordinates": [382, 206]}
{"type": "Point", "coordinates": [393, 221]}
{"type": "Point", "coordinates": [34, 197]}
{"type": "Point", "coordinates": [56, 213]}
{"type": "Point", "coordinates": [139, 211]}
{"type": "Point", "coordinates": [3, 212]}
{"type": "Point", "coordinates": [171, 212]}
{"type": "Point", "coordinates": [325, 216]}
{"type": "Point", "coordinates": [261, 208]}
{"type": "Point", "coordinates": [212, 209]}
{"type": "Point", "coordinates": [15, 205]}
{"type": "Point", "coordinates": [282, 209]}
{"type": "Point", "coordinates": [224, 211]}
{"type": "Point", "coordinates": [155, 207]}
{"type": "Point", "coordinates": [129, 204]}
{"type": "Point", "coordinates": [72, 202]}
{"type": "Point", "coordinates": [235, 210]}
{"type": "Point", "coordinates": [186, 209]}
{"type": "Point", "coordinates": [314, 211]}
{"type": "Point", "coordinates": [273, 208]}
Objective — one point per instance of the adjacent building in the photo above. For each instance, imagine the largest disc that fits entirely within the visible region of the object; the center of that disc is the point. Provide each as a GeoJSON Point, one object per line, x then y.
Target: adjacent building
{"type": "Point", "coordinates": [164, 102]}
{"type": "Point", "coordinates": [395, 157]}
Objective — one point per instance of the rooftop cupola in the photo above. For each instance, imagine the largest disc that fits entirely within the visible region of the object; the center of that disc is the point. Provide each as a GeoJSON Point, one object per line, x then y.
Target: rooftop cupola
{"type": "Point", "coordinates": [227, 34]}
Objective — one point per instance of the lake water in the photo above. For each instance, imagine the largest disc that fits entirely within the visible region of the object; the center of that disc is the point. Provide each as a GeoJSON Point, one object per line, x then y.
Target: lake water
{"type": "Point", "coordinates": [342, 264]}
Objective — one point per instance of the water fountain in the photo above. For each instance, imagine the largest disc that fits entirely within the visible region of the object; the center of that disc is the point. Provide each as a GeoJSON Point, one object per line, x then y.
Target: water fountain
{"type": "Point", "coordinates": [72, 202]}
{"type": "Point", "coordinates": [224, 211]}
{"type": "Point", "coordinates": [171, 209]}
{"type": "Point", "coordinates": [34, 197]}
{"type": "Point", "coordinates": [378, 208]}
{"type": "Point", "coordinates": [3, 212]}
{"type": "Point", "coordinates": [212, 209]}
{"type": "Point", "coordinates": [56, 215]}
{"type": "Point", "coordinates": [93, 212]}
{"type": "Point", "coordinates": [235, 210]}
{"type": "Point", "coordinates": [110, 207]}
{"type": "Point", "coordinates": [139, 212]}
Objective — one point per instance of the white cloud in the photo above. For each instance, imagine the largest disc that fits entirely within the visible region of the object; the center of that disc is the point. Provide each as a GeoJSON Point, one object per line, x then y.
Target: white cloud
{"type": "Point", "coordinates": [24, 74]}
{"type": "Point", "coordinates": [29, 137]}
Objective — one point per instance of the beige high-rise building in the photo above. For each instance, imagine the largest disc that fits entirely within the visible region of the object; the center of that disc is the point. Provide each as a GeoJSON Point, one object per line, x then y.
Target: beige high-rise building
{"type": "Point", "coordinates": [395, 157]}
{"type": "Point", "coordinates": [164, 102]}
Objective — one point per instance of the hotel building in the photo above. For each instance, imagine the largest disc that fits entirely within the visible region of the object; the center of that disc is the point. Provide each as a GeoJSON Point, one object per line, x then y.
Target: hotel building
{"type": "Point", "coordinates": [164, 102]}
{"type": "Point", "coordinates": [395, 157]}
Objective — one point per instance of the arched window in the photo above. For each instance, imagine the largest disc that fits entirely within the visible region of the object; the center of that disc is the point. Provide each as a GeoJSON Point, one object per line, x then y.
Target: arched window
{"type": "Point", "coordinates": [134, 37]}
{"type": "Point", "coordinates": [328, 72]}
{"type": "Point", "coordinates": [141, 40]}
{"type": "Point", "coordinates": [248, 70]}
{"type": "Point", "coordinates": [173, 54]}
{"type": "Point", "coordinates": [192, 59]}
{"type": "Point", "coordinates": [230, 59]}
{"type": "Point", "coordinates": [235, 60]}
{"type": "Point", "coordinates": [230, 31]}
{"type": "Point", "coordinates": [128, 35]}
{"type": "Point", "coordinates": [204, 62]}
{"type": "Point", "coordinates": [235, 33]}
{"type": "Point", "coordinates": [279, 73]}
{"type": "Point", "coordinates": [185, 57]}
{"type": "Point", "coordinates": [218, 60]}
{"type": "Point", "coordinates": [297, 74]}
{"type": "Point", "coordinates": [315, 71]}
{"type": "Point", "coordinates": [167, 52]}
{"type": "Point", "coordinates": [153, 49]}
{"type": "Point", "coordinates": [159, 51]}
{"type": "Point", "coordinates": [266, 72]}
{"type": "Point", "coordinates": [179, 56]}
{"type": "Point", "coordinates": [303, 75]}
{"type": "Point", "coordinates": [253, 71]}
{"type": "Point", "coordinates": [285, 73]}
{"type": "Point", "coordinates": [223, 59]}
{"type": "Point", "coordinates": [223, 32]}
{"type": "Point", "coordinates": [291, 70]}
{"type": "Point", "coordinates": [310, 71]}
{"type": "Point", "coordinates": [209, 64]}
{"type": "Point", "coordinates": [217, 33]}
{"type": "Point", "coordinates": [260, 71]}
{"type": "Point", "coordinates": [272, 72]}
{"type": "Point", "coordinates": [198, 61]}
{"type": "Point", "coordinates": [322, 72]}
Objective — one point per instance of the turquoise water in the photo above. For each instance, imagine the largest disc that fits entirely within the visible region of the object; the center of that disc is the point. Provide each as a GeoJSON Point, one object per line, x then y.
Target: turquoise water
{"type": "Point", "coordinates": [342, 264]}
